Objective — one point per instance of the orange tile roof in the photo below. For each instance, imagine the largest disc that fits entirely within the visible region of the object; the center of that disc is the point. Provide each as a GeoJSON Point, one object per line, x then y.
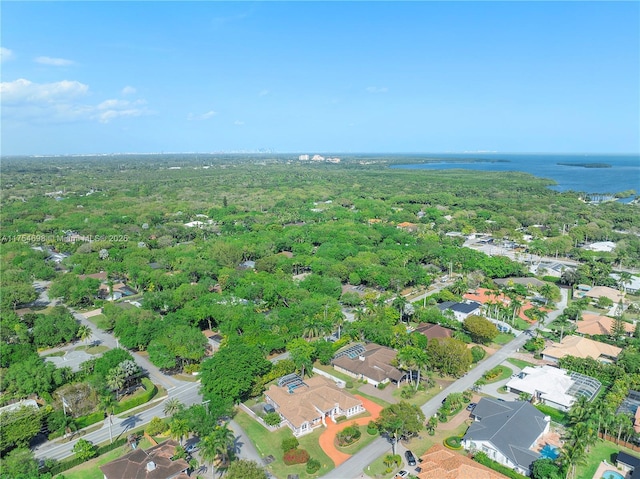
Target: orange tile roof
{"type": "Point", "coordinates": [596, 324]}
{"type": "Point", "coordinates": [441, 463]}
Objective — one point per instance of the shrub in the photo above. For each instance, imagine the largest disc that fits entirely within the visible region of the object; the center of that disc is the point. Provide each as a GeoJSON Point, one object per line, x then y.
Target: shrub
{"type": "Point", "coordinates": [453, 442]}
{"type": "Point", "coordinates": [492, 373]}
{"type": "Point", "coordinates": [313, 466]}
{"type": "Point", "coordinates": [407, 392]}
{"type": "Point", "coordinates": [150, 390]}
{"type": "Point", "coordinates": [289, 443]}
{"type": "Point", "coordinates": [349, 385]}
{"type": "Point", "coordinates": [272, 419]}
{"type": "Point", "coordinates": [348, 435]}
{"type": "Point", "coordinates": [295, 456]}
{"type": "Point", "coordinates": [372, 428]}
{"type": "Point", "coordinates": [477, 353]}
{"type": "Point", "coordinates": [381, 386]}
{"type": "Point", "coordinates": [156, 426]}
{"type": "Point", "coordinates": [341, 418]}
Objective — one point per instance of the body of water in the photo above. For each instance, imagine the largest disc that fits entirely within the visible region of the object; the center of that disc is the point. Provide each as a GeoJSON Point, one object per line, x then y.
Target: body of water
{"type": "Point", "coordinates": [624, 173]}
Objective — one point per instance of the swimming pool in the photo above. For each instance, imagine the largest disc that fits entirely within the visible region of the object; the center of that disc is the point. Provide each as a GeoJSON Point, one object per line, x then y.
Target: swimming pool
{"type": "Point", "coordinates": [612, 475]}
{"type": "Point", "coordinates": [551, 452]}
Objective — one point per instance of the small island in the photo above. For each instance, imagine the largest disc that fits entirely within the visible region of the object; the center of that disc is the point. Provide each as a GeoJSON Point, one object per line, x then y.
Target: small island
{"type": "Point", "coordinates": [587, 165]}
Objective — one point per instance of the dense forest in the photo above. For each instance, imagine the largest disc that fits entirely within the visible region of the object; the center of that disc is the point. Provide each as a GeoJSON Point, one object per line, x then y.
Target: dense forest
{"type": "Point", "coordinates": [265, 251]}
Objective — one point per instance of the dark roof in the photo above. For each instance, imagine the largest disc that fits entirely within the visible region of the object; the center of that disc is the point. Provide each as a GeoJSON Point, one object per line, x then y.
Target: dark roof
{"type": "Point", "coordinates": [459, 307]}
{"type": "Point", "coordinates": [135, 465]}
{"type": "Point", "coordinates": [629, 460]}
{"type": "Point", "coordinates": [511, 426]}
{"type": "Point", "coordinates": [432, 331]}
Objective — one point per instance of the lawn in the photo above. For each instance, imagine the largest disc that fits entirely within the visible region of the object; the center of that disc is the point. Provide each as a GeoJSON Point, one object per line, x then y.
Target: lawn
{"type": "Point", "coordinates": [505, 373]}
{"type": "Point", "coordinates": [421, 396]}
{"type": "Point", "coordinates": [602, 450]}
{"type": "Point", "coordinates": [90, 469]}
{"type": "Point", "coordinates": [503, 338]}
{"type": "Point", "coordinates": [520, 363]}
{"type": "Point", "coordinates": [418, 445]}
{"type": "Point", "coordinates": [101, 322]}
{"type": "Point", "coordinates": [268, 443]}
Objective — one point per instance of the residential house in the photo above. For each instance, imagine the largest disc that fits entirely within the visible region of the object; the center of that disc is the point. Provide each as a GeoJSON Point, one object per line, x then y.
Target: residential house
{"type": "Point", "coordinates": [631, 287]}
{"type": "Point", "coordinates": [214, 340]}
{"type": "Point", "coordinates": [154, 463]}
{"type": "Point", "coordinates": [306, 405]}
{"type": "Point", "coordinates": [528, 282]}
{"type": "Point", "coordinates": [408, 227]}
{"type": "Point", "coordinates": [581, 348]}
{"type": "Point", "coordinates": [597, 292]}
{"type": "Point", "coordinates": [461, 311]}
{"type": "Point", "coordinates": [627, 462]}
{"type": "Point", "coordinates": [507, 432]}
{"type": "Point", "coordinates": [595, 324]}
{"type": "Point", "coordinates": [441, 463]}
{"type": "Point", "coordinates": [371, 362]}
{"type": "Point", "coordinates": [433, 331]}
{"type": "Point", "coordinates": [553, 386]}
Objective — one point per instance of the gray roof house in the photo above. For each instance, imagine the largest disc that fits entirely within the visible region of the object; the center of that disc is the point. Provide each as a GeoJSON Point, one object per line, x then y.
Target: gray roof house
{"type": "Point", "coordinates": [461, 311]}
{"type": "Point", "coordinates": [507, 432]}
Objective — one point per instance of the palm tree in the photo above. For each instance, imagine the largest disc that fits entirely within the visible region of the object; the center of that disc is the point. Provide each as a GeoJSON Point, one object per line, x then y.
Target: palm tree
{"type": "Point", "coordinates": [208, 449]}
{"type": "Point", "coordinates": [224, 440]}
{"type": "Point", "coordinates": [172, 406]}
{"type": "Point", "coordinates": [108, 403]}
{"type": "Point", "coordinates": [572, 455]}
{"type": "Point", "coordinates": [179, 429]}
{"type": "Point", "coordinates": [84, 333]}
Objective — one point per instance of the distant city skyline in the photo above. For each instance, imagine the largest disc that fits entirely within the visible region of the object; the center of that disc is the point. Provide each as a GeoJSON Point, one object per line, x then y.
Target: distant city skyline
{"type": "Point", "coordinates": [323, 78]}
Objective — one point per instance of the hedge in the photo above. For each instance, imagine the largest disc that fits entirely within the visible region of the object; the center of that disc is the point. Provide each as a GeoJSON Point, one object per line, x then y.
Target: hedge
{"type": "Point", "coordinates": [453, 442]}
{"type": "Point", "coordinates": [483, 459]}
{"type": "Point", "coordinates": [150, 391]}
{"type": "Point", "coordinates": [89, 419]}
{"type": "Point", "coordinates": [556, 416]}
{"type": "Point", "coordinates": [68, 464]}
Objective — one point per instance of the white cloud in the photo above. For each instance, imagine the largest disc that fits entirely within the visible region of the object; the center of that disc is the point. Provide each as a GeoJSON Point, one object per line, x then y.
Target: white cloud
{"type": "Point", "coordinates": [264, 92]}
{"type": "Point", "coordinates": [61, 101]}
{"type": "Point", "coordinates": [54, 62]}
{"type": "Point", "coordinates": [238, 122]}
{"type": "Point", "coordinates": [203, 116]}
{"type": "Point", "coordinates": [375, 89]}
{"type": "Point", "coordinates": [5, 54]}
{"type": "Point", "coordinates": [128, 90]}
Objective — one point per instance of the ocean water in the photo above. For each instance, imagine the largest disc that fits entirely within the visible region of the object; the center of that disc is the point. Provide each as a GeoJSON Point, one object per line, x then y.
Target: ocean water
{"type": "Point", "coordinates": [623, 175]}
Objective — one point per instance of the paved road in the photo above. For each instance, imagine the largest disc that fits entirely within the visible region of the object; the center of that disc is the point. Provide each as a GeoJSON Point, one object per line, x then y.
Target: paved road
{"type": "Point", "coordinates": [354, 466]}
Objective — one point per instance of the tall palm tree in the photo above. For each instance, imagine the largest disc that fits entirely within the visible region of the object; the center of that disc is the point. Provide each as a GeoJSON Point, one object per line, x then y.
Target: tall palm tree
{"type": "Point", "coordinates": [179, 429]}
{"type": "Point", "coordinates": [224, 439]}
{"type": "Point", "coordinates": [172, 406]}
{"type": "Point", "coordinates": [572, 455]}
{"type": "Point", "coordinates": [108, 403]}
{"type": "Point", "coordinates": [84, 333]}
{"type": "Point", "coordinates": [208, 449]}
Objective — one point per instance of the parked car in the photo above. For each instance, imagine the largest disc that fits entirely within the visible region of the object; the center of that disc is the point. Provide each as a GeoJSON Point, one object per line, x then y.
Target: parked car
{"type": "Point", "coordinates": [471, 406]}
{"type": "Point", "coordinates": [402, 474]}
{"type": "Point", "coordinates": [411, 459]}
{"type": "Point", "coordinates": [191, 448]}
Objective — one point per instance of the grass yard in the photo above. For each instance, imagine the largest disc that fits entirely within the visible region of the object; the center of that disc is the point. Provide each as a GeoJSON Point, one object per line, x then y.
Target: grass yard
{"type": "Point", "coordinates": [90, 469]}
{"type": "Point", "coordinates": [333, 372]}
{"type": "Point", "coordinates": [418, 446]}
{"type": "Point", "coordinates": [505, 373]}
{"type": "Point", "coordinates": [100, 321]}
{"type": "Point", "coordinates": [421, 396]}
{"type": "Point", "coordinates": [503, 338]}
{"type": "Point", "coordinates": [519, 363]}
{"type": "Point", "coordinates": [602, 450]}
{"type": "Point", "coordinates": [365, 439]}
{"type": "Point", "coordinates": [268, 443]}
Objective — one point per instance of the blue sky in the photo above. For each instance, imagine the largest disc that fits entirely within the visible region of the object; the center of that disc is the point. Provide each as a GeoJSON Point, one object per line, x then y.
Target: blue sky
{"type": "Point", "coordinates": [320, 77]}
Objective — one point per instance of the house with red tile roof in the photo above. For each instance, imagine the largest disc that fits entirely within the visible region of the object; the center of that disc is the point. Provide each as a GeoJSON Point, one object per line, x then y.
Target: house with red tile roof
{"type": "Point", "coordinates": [154, 463]}
{"type": "Point", "coordinates": [441, 463]}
